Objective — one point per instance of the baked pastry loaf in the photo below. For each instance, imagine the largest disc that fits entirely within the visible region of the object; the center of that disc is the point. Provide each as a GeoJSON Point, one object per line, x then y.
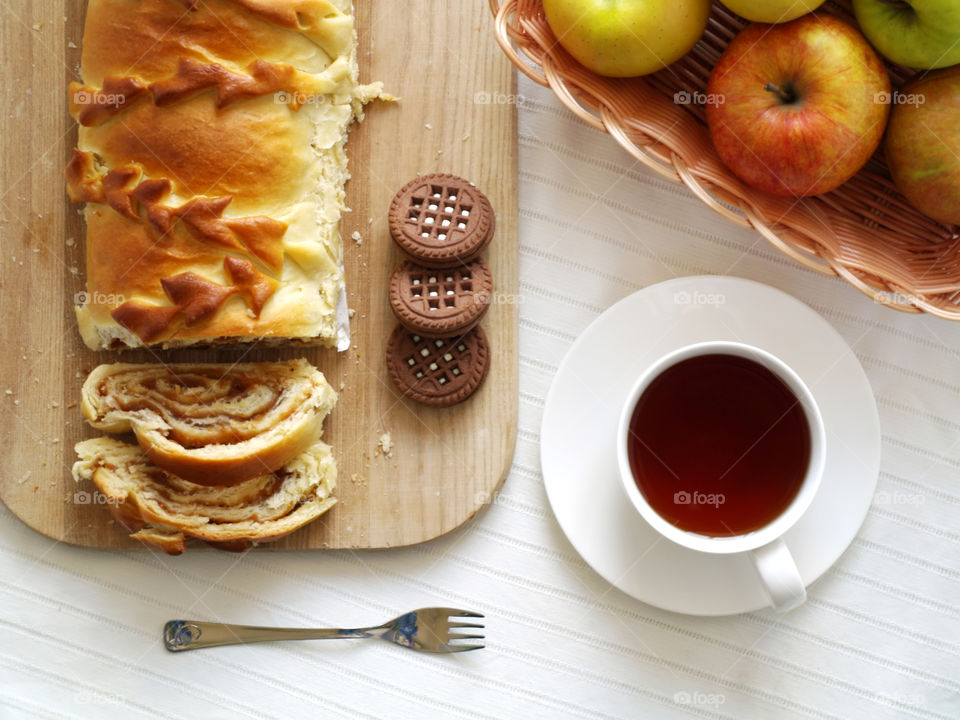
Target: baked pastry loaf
{"type": "Point", "coordinates": [166, 511]}
{"type": "Point", "coordinates": [212, 163]}
{"type": "Point", "coordinates": [209, 423]}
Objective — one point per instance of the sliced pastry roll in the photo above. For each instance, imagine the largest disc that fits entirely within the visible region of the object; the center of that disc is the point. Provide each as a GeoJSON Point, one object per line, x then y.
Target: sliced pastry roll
{"type": "Point", "coordinates": [164, 510]}
{"type": "Point", "coordinates": [209, 423]}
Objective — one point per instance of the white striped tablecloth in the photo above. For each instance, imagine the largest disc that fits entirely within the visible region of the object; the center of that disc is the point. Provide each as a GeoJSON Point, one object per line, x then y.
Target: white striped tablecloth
{"type": "Point", "coordinates": [878, 638]}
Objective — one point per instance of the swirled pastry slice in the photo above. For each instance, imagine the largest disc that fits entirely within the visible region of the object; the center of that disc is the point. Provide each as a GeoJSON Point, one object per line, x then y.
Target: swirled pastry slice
{"type": "Point", "coordinates": [211, 158]}
{"type": "Point", "coordinates": [165, 511]}
{"type": "Point", "coordinates": [209, 423]}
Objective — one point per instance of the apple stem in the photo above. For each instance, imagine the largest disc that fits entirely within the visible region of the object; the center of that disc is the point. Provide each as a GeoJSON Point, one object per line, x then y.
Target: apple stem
{"type": "Point", "coordinates": [783, 94]}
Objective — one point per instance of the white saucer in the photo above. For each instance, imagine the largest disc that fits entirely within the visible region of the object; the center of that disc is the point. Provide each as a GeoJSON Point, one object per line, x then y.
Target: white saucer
{"type": "Point", "coordinates": [578, 439]}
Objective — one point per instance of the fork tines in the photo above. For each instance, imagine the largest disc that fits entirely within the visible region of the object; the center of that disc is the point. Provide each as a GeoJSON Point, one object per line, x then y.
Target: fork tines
{"type": "Point", "coordinates": [454, 613]}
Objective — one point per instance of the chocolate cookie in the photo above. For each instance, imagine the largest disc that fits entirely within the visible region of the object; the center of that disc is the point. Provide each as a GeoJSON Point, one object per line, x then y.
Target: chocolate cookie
{"type": "Point", "coordinates": [441, 220]}
{"type": "Point", "coordinates": [438, 371]}
{"type": "Point", "coordinates": [441, 303]}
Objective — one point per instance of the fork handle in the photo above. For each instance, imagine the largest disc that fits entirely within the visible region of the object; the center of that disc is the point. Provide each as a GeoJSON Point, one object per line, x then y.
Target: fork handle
{"type": "Point", "coordinates": [180, 635]}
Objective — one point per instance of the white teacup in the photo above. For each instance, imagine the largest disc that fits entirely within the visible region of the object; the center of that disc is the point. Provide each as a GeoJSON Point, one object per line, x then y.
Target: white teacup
{"type": "Point", "coordinates": [773, 561]}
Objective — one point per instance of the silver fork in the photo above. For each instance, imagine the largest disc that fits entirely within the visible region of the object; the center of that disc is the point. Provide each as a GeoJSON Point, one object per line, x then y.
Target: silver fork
{"type": "Point", "coordinates": [425, 630]}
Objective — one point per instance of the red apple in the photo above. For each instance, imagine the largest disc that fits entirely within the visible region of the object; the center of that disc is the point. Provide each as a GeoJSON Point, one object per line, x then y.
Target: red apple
{"type": "Point", "coordinates": [798, 108]}
{"type": "Point", "coordinates": [923, 144]}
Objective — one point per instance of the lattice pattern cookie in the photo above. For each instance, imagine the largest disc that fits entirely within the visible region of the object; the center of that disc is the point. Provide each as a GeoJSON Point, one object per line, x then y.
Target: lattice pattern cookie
{"type": "Point", "coordinates": [441, 220]}
{"type": "Point", "coordinates": [438, 371]}
{"type": "Point", "coordinates": [441, 303]}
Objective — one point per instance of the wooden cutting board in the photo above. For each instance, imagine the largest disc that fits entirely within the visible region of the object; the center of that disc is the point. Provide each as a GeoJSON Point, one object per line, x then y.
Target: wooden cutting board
{"type": "Point", "coordinates": [456, 114]}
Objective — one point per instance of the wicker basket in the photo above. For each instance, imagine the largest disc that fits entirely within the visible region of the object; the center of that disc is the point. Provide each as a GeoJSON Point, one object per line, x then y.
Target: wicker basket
{"type": "Point", "coordinates": [864, 231]}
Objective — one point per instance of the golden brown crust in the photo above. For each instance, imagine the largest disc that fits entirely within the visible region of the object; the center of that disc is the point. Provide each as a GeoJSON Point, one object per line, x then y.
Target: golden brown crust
{"type": "Point", "coordinates": [172, 543]}
{"type": "Point", "coordinates": [96, 105]}
{"type": "Point", "coordinates": [84, 183]}
{"type": "Point", "coordinates": [166, 511]}
{"type": "Point", "coordinates": [92, 106]}
{"type": "Point", "coordinates": [205, 135]}
{"type": "Point", "coordinates": [194, 300]}
{"type": "Point", "coordinates": [122, 189]}
{"type": "Point", "coordinates": [212, 424]}
{"type": "Point", "coordinates": [148, 322]}
{"type": "Point", "coordinates": [238, 30]}
{"type": "Point", "coordinates": [248, 280]}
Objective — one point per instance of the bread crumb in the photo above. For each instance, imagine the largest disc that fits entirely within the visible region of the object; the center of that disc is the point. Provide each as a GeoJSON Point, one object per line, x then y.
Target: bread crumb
{"type": "Point", "coordinates": [71, 406]}
{"type": "Point", "coordinates": [8, 392]}
{"type": "Point", "coordinates": [351, 312]}
{"type": "Point", "coordinates": [465, 137]}
{"type": "Point", "coordinates": [26, 476]}
{"type": "Point", "coordinates": [54, 404]}
{"type": "Point", "coordinates": [428, 126]}
{"type": "Point", "coordinates": [72, 45]}
{"type": "Point", "coordinates": [358, 479]}
{"type": "Point", "coordinates": [357, 237]}
{"type": "Point", "coordinates": [342, 385]}
{"type": "Point", "coordinates": [386, 444]}
{"type": "Point", "coordinates": [37, 26]}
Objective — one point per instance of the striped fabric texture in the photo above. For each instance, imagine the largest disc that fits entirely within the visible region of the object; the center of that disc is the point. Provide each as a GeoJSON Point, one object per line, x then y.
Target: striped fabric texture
{"type": "Point", "coordinates": [879, 637]}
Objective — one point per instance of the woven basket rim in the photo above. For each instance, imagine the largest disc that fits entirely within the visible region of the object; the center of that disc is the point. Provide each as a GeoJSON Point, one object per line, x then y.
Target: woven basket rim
{"type": "Point", "coordinates": [880, 285]}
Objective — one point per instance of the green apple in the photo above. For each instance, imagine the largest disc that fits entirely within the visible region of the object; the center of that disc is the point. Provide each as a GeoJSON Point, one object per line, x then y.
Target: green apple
{"type": "Point", "coordinates": [625, 38]}
{"type": "Point", "coordinates": [797, 109]}
{"type": "Point", "coordinates": [921, 34]}
{"type": "Point", "coordinates": [923, 144]}
{"type": "Point", "coordinates": [772, 11]}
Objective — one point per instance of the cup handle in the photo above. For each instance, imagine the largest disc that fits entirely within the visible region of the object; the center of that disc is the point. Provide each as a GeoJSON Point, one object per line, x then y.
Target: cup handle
{"type": "Point", "coordinates": [779, 575]}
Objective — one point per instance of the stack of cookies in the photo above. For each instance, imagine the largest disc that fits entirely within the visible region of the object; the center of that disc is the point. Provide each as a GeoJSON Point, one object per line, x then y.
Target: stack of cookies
{"type": "Point", "coordinates": [438, 354]}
